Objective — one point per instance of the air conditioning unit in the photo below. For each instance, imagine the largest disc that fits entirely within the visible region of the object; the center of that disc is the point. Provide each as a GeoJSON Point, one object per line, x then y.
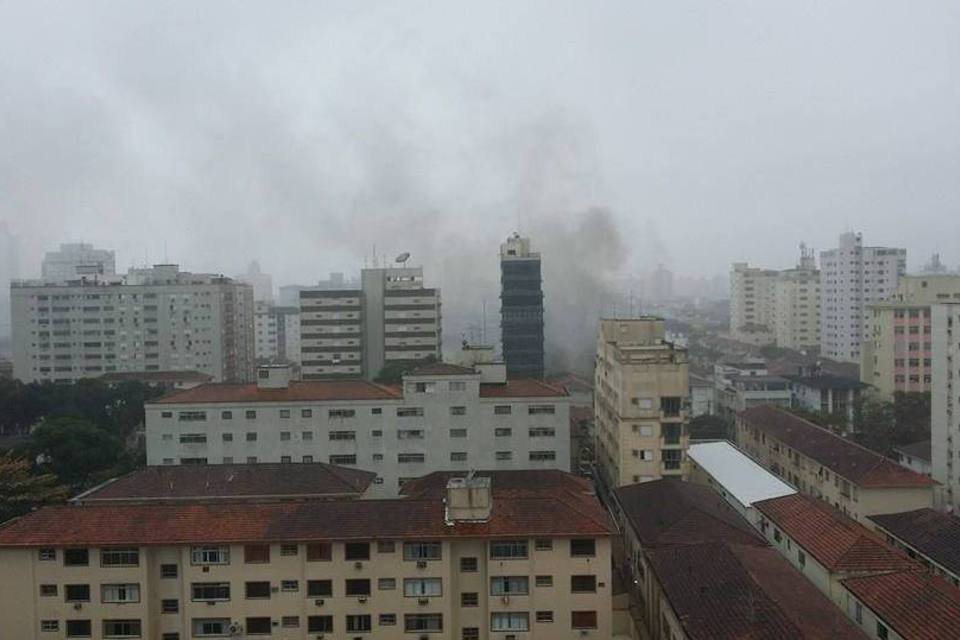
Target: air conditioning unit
{"type": "Point", "coordinates": [318, 602]}
{"type": "Point", "coordinates": [423, 601]}
{"type": "Point", "coordinates": [235, 628]}
{"type": "Point", "coordinates": [421, 564]}
{"type": "Point", "coordinates": [584, 633]}
{"type": "Point", "coordinates": [206, 569]}
{"type": "Point", "coordinates": [362, 599]}
{"type": "Point", "coordinates": [358, 565]}
{"type": "Point", "coordinates": [77, 606]}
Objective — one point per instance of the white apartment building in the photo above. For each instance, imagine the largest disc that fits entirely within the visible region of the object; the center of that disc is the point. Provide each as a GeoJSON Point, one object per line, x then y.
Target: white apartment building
{"type": "Point", "coordinates": [391, 319]}
{"type": "Point", "coordinates": [945, 404]}
{"type": "Point", "coordinates": [277, 333]}
{"type": "Point", "coordinates": [442, 418]}
{"type": "Point", "coordinates": [261, 282]}
{"type": "Point", "coordinates": [852, 277]}
{"type": "Point", "coordinates": [753, 304]}
{"type": "Point", "coordinates": [77, 260]}
{"type": "Point", "coordinates": [159, 319]}
{"type": "Point", "coordinates": [797, 309]}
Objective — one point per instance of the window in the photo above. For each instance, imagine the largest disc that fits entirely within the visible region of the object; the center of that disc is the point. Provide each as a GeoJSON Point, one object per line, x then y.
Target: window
{"type": "Point", "coordinates": [319, 552]}
{"type": "Point", "coordinates": [228, 437]}
{"type": "Point", "coordinates": [284, 413]}
{"type": "Point", "coordinates": [260, 626]}
{"type": "Point", "coordinates": [250, 414]}
{"type": "Point", "coordinates": [882, 632]}
{"type": "Point", "coordinates": [121, 628]}
{"type": "Point", "coordinates": [79, 629]}
{"type": "Point", "coordinates": [508, 549]}
{"type": "Point", "coordinates": [544, 616]}
{"type": "Point", "coordinates": [503, 455]}
{"type": "Point", "coordinates": [458, 411]}
{"type": "Point", "coordinates": [193, 438]}
{"type": "Point", "coordinates": [319, 624]}
{"type": "Point", "coordinates": [801, 558]}
{"type": "Point", "coordinates": [509, 585]}
{"type": "Point", "coordinates": [387, 584]}
{"type": "Point", "coordinates": [256, 553]}
{"type": "Point", "coordinates": [387, 619]}
{"type": "Point", "coordinates": [776, 534]}
{"type": "Point", "coordinates": [411, 458]}
{"type": "Point", "coordinates": [289, 586]}
{"type": "Point", "coordinates": [306, 413]}
{"type": "Point", "coordinates": [583, 619]}
{"type": "Point", "coordinates": [307, 459]}
{"type": "Point", "coordinates": [387, 546]}
{"type": "Point", "coordinates": [410, 434]}
{"type": "Point", "coordinates": [319, 588]}
{"type": "Point", "coordinates": [471, 599]}
{"type": "Point", "coordinates": [76, 557]}
{"type": "Point", "coordinates": [47, 590]}
{"type": "Point", "coordinates": [583, 584]}
{"type": "Point", "coordinates": [288, 550]}
{"type": "Point", "coordinates": [510, 621]}
{"type": "Point", "coordinates": [502, 410]}
{"type": "Point", "coordinates": [542, 432]}
{"type": "Point", "coordinates": [226, 415]}
{"type": "Point", "coordinates": [255, 590]}
{"type": "Point", "coordinates": [356, 551]}
{"type": "Point", "coordinates": [543, 455]}
{"type": "Point", "coordinates": [120, 557]}
{"type": "Point", "coordinates": [583, 547]}
{"type": "Point", "coordinates": [422, 587]}
{"type": "Point", "coordinates": [359, 623]}
{"type": "Point", "coordinates": [341, 413]}
{"type": "Point", "coordinates": [424, 387]}
{"type": "Point", "coordinates": [423, 622]}
{"type": "Point", "coordinates": [173, 635]}
{"type": "Point", "coordinates": [284, 436]}
{"type": "Point", "coordinates": [458, 433]}
{"type": "Point", "coordinates": [421, 551]}
{"type": "Point", "coordinates": [76, 593]}
{"type": "Point", "coordinates": [458, 456]}
{"type": "Point", "coordinates": [503, 432]}
{"type": "Point", "coordinates": [192, 416]}
{"type": "Point", "coordinates": [541, 409]}
{"type": "Point", "coordinates": [544, 581]}
{"type": "Point", "coordinates": [210, 555]}
{"type": "Point", "coordinates": [120, 593]}
{"type": "Point", "coordinates": [543, 544]}
{"type": "Point", "coordinates": [47, 554]}
{"type": "Point", "coordinates": [377, 433]}
{"type": "Point", "coordinates": [169, 606]}
{"type": "Point", "coordinates": [210, 591]}
{"type": "Point", "coordinates": [343, 435]}
{"type": "Point", "coordinates": [457, 385]}
{"type": "Point", "coordinates": [858, 612]}
{"type": "Point", "coordinates": [409, 412]}
{"type": "Point", "coordinates": [470, 633]}
{"type": "Point", "coordinates": [468, 565]}
{"type": "Point", "coordinates": [49, 625]}
{"type": "Point", "coordinates": [290, 622]}
{"type": "Point", "coordinates": [376, 411]}
{"type": "Point", "coordinates": [166, 414]}
{"type": "Point", "coordinates": [358, 587]}
{"type": "Point", "coordinates": [251, 436]}
{"type": "Point", "coordinates": [343, 459]}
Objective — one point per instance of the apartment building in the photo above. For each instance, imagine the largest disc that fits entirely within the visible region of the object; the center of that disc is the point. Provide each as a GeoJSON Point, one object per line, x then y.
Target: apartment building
{"type": "Point", "coordinates": [852, 277]}
{"type": "Point", "coordinates": [77, 260]}
{"type": "Point", "coordinates": [915, 456]}
{"type": "Point", "coordinates": [9, 271]}
{"type": "Point", "coordinates": [931, 537]}
{"type": "Point", "coordinates": [797, 308]}
{"type": "Point", "coordinates": [881, 590]}
{"type": "Point", "coordinates": [276, 333]}
{"type": "Point", "coordinates": [753, 304]}
{"type": "Point", "coordinates": [521, 308]}
{"type": "Point", "coordinates": [391, 319]}
{"type": "Point", "coordinates": [742, 385]}
{"type": "Point", "coordinates": [944, 411]}
{"type": "Point", "coordinates": [157, 319]}
{"type": "Point", "coordinates": [442, 417]}
{"type": "Point", "coordinates": [853, 479]}
{"type": "Point", "coordinates": [701, 572]}
{"type": "Point", "coordinates": [494, 556]}
{"type": "Point", "coordinates": [897, 356]}
{"type": "Point", "coordinates": [826, 394]}
{"type": "Point", "coordinates": [640, 402]}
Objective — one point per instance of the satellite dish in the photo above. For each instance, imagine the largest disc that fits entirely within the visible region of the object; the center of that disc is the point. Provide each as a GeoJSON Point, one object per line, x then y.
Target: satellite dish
{"type": "Point", "coordinates": [403, 257]}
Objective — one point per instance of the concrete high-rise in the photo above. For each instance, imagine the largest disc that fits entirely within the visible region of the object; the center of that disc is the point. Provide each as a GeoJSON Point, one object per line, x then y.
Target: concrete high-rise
{"type": "Point", "coordinates": [945, 403]}
{"type": "Point", "coordinates": [391, 319]}
{"type": "Point", "coordinates": [852, 277]}
{"type": "Point", "coordinates": [9, 270]}
{"type": "Point", "coordinates": [156, 319]}
{"type": "Point", "coordinates": [752, 303]}
{"type": "Point", "coordinates": [640, 402]}
{"type": "Point", "coordinates": [77, 260]}
{"type": "Point", "coordinates": [276, 333]}
{"type": "Point", "coordinates": [261, 282]}
{"type": "Point", "coordinates": [521, 308]}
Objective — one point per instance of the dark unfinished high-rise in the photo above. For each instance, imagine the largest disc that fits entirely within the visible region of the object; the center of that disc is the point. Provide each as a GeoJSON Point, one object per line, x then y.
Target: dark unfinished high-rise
{"type": "Point", "coordinates": [521, 308]}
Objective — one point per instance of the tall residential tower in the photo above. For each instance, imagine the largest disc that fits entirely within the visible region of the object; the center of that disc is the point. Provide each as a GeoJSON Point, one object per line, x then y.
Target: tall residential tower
{"type": "Point", "coordinates": [521, 308]}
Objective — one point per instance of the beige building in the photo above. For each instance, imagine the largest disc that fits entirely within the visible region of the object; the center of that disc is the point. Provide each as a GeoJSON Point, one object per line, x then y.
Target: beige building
{"type": "Point", "coordinates": [496, 556]}
{"type": "Point", "coordinates": [753, 304]}
{"type": "Point", "coordinates": [853, 479]}
{"type": "Point", "coordinates": [898, 349]}
{"type": "Point", "coordinates": [797, 309]}
{"type": "Point", "coordinates": [640, 402]}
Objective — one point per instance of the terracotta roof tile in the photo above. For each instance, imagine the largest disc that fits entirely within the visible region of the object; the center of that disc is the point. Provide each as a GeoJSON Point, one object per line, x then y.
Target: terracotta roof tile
{"type": "Point", "coordinates": [858, 464]}
{"type": "Point", "coordinates": [834, 540]}
{"type": "Point", "coordinates": [915, 604]}
{"type": "Point", "coordinates": [934, 534]}
{"type": "Point", "coordinates": [298, 391]}
{"type": "Point", "coordinates": [521, 388]}
{"type": "Point", "coordinates": [441, 369]}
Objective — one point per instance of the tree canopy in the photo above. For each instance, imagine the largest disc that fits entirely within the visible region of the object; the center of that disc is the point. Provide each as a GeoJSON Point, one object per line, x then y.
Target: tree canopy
{"type": "Point", "coordinates": [22, 490]}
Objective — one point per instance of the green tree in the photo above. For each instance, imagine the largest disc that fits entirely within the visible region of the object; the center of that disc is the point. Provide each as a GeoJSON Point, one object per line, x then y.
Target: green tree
{"type": "Point", "coordinates": [21, 490]}
{"type": "Point", "coordinates": [76, 451]}
{"type": "Point", "coordinates": [707, 427]}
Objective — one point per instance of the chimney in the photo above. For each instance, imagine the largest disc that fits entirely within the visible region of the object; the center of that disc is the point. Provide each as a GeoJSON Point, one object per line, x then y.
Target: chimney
{"type": "Point", "coordinates": [273, 376]}
{"type": "Point", "coordinates": [469, 499]}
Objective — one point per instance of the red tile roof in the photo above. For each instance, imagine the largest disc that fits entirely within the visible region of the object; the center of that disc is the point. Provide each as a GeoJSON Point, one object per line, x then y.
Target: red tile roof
{"type": "Point", "coordinates": [521, 388]}
{"type": "Point", "coordinates": [858, 464]}
{"type": "Point", "coordinates": [915, 604]}
{"type": "Point", "coordinates": [932, 533]}
{"type": "Point", "coordinates": [834, 540]}
{"type": "Point", "coordinates": [729, 591]}
{"type": "Point", "coordinates": [441, 369]}
{"type": "Point", "coordinates": [550, 511]}
{"type": "Point", "coordinates": [672, 512]}
{"type": "Point", "coordinates": [232, 482]}
{"type": "Point", "coordinates": [298, 391]}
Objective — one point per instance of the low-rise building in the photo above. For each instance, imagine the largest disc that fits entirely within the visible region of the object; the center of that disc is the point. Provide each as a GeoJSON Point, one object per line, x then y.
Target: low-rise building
{"type": "Point", "coordinates": [702, 396]}
{"type": "Point", "coordinates": [442, 417]}
{"type": "Point", "coordinates": [874, 583]}
{"type": "Point", "coordinates": [932, 537]}
{"type": "Point", "coordinates": [494, 556]}
{"type": "Point", "coordinates": [915, 456]}
{"type": "Point", "coordinates": [826, 394]}
{"type": "Point", "coordinates": [853, 479]}
{"type": "Point", "coordinates": [742, 385]}
{"type": "Point", "coordinates": [703, 573]}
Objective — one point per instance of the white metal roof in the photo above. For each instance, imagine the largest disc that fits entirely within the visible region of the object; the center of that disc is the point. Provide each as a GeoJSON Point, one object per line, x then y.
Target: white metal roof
{"type": "Point", "coordinates": [737, 473]}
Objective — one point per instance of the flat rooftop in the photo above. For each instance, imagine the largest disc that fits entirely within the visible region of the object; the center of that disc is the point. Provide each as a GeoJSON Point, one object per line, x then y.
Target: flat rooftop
{"type": "Point", "coordinates": [737, 473]}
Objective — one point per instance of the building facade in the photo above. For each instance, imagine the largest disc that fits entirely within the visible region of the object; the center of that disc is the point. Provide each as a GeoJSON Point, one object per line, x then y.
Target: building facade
{"type": "Point", "coordinates": [797, 309]}
{"type": "Point", "coordinates": [277, 333]}
{"type": "Point", "coordinates": [488, 557]}
{"type": "Point", "coordinates": [852, 277]}
{"type": "Point", "coordinates": [261, 282]}
{"type": "Point", "coordinates": [159, 319]}
{"type": "Point", "coordinates": [391, 320]}
{"type": "Point", "coordinates": [640, 402]}
{"type": "Point", "coordinates": [521, 308]}
{"type": "Point", "coordinates": [442, 417]}
{"type": "Point", "coordinates": [74, 261]}
{"type": "Point", "coordinates": [928, 536]}
{"type": "Point", "coordinates": [9, 271]}
{"type": "Point", "coordinates": [753, 304]}
{"type": "Point", "coordinates": [944, 399]}
{"type": "Point", "coordinates": [826, 394]}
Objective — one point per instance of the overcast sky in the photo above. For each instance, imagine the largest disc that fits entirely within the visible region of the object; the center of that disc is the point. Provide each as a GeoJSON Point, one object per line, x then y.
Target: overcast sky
{"type": "Point", "coordinates": [302, 134]}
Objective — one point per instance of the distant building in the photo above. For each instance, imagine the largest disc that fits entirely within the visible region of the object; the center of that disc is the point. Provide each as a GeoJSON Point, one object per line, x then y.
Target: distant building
{"type": "Point", "coordinates": [261, 282]}
{"type": "Point", "coordinates": [797, 309]}
{"type": "Point", "coordinates": [944, 407]}
{"type": "Point", "coordinates": [852, 277]}
{"type": "Point", "coordinates": [152, 320]}
{"type": "Point", "coordinates": [521, 308]}
{"type": "Point", "coordinates": [392, 319]}
{"type": "Point", "coordinates": [640, 395]}
{"type": "Point", "coordinates": [742, 385]}
{"type": "Point", "coordinates": [897, 351]}
{"type": "Point", "coordinates": [290, 293]}
{"type": "Point", "coordinates": [9, 270]}
{"type": "Point", "coordinates": [853, 479]}
{"type": "Point", "coordinates": [277, 333]}
{"type": "Point", "coordinates": [74, 261]}
{"type": "Point", "coordinates": [661, 284]}
{"type": "Point", "coordinates": [827, 394]}
{"type": "Point", "coordinates": [703, 401]}
{"type": "Point", "coordinates": [930, 536]}
{"type": "Point", "coordinates": [168, 380]}
{"type": "Point", "coordinates": [915, 456]}
{"type": "Point", "coordinates": [753, 304]}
